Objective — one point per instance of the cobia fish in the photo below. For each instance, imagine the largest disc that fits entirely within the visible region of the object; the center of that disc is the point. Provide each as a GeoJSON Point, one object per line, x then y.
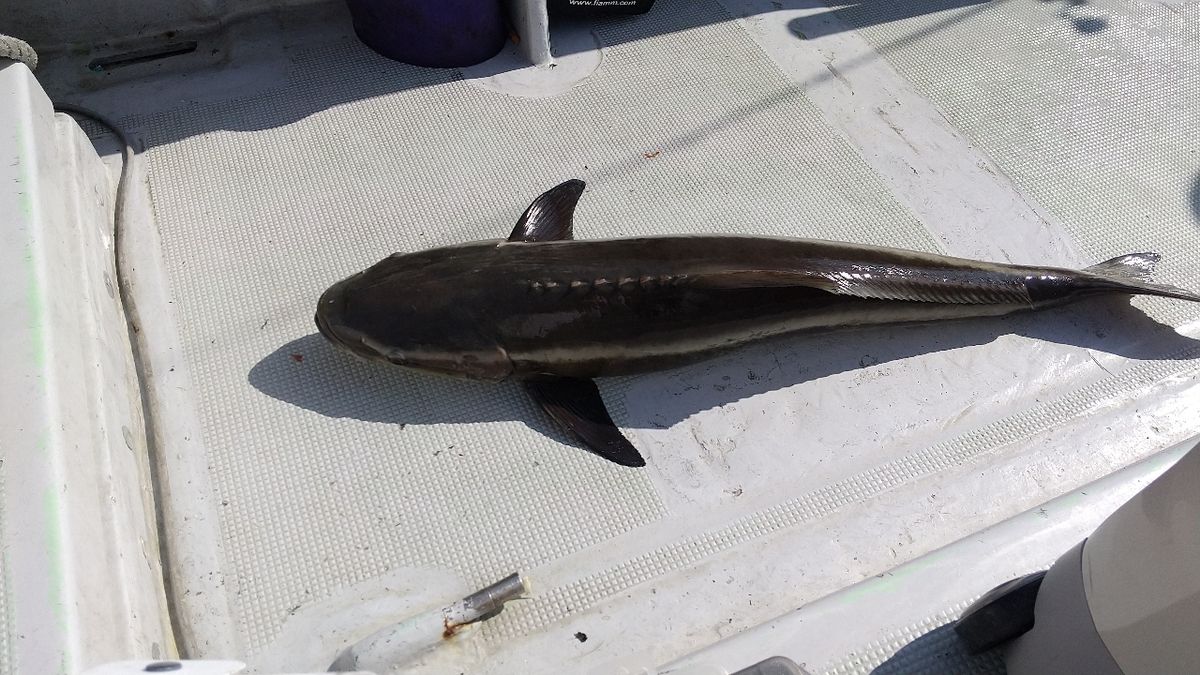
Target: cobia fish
{"type": "Point", "coordinates": [555, 312]}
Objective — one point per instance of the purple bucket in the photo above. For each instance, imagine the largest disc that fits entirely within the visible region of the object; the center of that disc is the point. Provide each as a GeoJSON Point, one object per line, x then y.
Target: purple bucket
{"type": "Point", "coordinates": [433, 33]}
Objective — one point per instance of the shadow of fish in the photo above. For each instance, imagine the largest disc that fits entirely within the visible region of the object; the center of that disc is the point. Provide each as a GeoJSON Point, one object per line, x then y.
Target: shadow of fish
{"type": "Point", "coordinates": [556, 313]}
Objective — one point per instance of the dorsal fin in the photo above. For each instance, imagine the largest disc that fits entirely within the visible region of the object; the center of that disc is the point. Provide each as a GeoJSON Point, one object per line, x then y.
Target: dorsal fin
{"type": "Point", "coordinates": [550, 216]}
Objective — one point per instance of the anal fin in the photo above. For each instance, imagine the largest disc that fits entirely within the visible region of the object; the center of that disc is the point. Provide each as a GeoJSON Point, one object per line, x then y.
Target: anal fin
{"type": "Point", "coordinates": [576, 405]}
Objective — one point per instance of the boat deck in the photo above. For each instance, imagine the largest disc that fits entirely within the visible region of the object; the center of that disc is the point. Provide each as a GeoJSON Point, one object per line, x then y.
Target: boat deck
{"type": "Point", "coordinates": [325, 496]}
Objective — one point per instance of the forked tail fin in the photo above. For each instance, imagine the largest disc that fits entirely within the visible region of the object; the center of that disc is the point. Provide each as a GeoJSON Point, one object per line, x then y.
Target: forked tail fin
{"type": "Point", "coordinates": [1132, 273]}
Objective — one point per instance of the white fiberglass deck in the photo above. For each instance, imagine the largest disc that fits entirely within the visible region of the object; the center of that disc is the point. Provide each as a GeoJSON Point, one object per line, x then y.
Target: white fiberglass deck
{"type": "Point", "coordinates": [1024, 131]}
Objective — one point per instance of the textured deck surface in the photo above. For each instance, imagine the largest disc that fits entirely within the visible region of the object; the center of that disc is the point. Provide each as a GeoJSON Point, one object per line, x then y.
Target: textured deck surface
{"type": "Point", "coordinates": [777, 474]}
{"type": "Point", "coordinates": [1088, 106]}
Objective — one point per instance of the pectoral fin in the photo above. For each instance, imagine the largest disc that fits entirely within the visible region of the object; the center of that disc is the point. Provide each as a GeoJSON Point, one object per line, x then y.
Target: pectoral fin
{"type": "Point", "coordinates": [576, 405]}
{"type": "Point", "coordinates": [551, 216]}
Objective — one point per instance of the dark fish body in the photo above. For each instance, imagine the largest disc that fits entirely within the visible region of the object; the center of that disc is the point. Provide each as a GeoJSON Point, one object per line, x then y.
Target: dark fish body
{"type": "Point", "coordinates": [541, 305]}
{"type": "Point", "coordinates": [497, 309]}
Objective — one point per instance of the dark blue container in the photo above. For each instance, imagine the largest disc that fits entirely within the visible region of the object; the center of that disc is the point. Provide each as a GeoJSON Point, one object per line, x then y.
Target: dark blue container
{"type": "Point", "coordinates": [434, 33]}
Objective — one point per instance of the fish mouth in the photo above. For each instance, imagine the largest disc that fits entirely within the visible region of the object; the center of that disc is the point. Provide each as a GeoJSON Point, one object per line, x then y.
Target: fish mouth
{"type": "Point", "coordinates": [324, 329]}
{"type": "Point", "coordinates": [330, 323]}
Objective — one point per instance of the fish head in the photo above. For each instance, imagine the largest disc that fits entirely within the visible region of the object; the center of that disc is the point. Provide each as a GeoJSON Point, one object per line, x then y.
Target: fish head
{"type": "Point", "coordinates": [410, 320]}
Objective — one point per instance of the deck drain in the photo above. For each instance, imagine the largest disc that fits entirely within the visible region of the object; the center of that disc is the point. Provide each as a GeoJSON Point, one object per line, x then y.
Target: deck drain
{"type": "Point", "coordinates": [141, 56]}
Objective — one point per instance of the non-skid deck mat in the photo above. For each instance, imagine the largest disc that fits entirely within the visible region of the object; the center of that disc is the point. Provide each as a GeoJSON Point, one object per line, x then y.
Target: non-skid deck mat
{"type": "Point", "coordinates": [1090, 107]}
{"type": "Point", "coordinates": [331, 473]}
